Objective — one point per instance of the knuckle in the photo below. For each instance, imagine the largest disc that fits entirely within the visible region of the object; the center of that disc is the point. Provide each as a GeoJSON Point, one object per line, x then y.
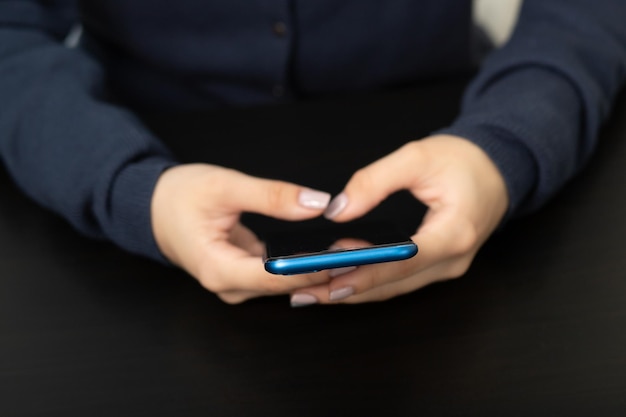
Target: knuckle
{"type": "Point", "coordinates": [213, 285]}
{"type": "Point", "coordinates": [458, 268]}
{"type": "Point", "coordinates": [362, 179]}
{"type": "Point", "coordinates": [373, 279]}
{"type": "Point", "coordinates": [219, 185]}
{"type": "Point", "coordinates": [232, 298]}
{"type": "Point", "coordinates": [414, 150]}
{"type": "Point", "coordinates": [386, 293]}
{"type": "Point", "coordinates": [379, 277]}
{"type": "Point", "coordinates": [315, 278]}
{"type": "Point", "coordinates": [212, 280]}
{"type": "Point", "coordinates": [406, 268]}
{"type": "Point", "coordinates": [276, 285]}
{"type": "Point", "coordinates": [273, 286]}
{"type": "Point", "coordinates": [276, 193]}
{"type": "Point", "coordinates": [465, 241]}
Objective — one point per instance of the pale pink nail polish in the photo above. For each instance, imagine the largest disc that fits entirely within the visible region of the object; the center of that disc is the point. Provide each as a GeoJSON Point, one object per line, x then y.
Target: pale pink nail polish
{"type": "Point", "coordinates": [341, 293]}
{"type": "Point", "coordinates": [313, 199]}
{"type": "Point", "coordinates": [301, 300]}
{"type": "Point", "coordinates": [336, 206]}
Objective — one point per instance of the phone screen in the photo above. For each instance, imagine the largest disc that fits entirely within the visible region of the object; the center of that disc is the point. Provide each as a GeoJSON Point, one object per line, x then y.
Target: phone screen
{"type": "Point", "coordinates": [335, 245]}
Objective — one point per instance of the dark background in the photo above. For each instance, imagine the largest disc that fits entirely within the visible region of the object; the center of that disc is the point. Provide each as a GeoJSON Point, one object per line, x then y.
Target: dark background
{"type": "Point", "coordinates": [536, 327]}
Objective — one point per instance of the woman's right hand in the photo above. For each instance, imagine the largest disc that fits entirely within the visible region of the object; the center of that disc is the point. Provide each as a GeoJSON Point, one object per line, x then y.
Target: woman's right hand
{"type": "Point", "coordinates": [195, 219]}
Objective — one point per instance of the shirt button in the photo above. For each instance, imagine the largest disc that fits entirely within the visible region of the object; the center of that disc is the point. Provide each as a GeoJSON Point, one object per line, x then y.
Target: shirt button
{"type": "Point", "coordinates": [279, 29]}
{"type": "Point", "coordinates": [278, 91]}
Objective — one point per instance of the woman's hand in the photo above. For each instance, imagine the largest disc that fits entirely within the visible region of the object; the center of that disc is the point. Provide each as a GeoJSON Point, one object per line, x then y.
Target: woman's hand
{"type": "Point", "coordinates": [195, 219]}
{"type": "Point", "coordinates": [466, 198]}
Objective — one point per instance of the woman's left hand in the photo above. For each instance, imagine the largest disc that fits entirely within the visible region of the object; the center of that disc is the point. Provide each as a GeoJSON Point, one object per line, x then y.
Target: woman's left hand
{"type": "Point", "coordinates": [466, 198]}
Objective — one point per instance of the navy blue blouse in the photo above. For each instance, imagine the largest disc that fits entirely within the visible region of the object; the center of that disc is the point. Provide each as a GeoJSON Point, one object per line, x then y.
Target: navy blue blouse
{"type": "Point", "coordinates": [535, 106]}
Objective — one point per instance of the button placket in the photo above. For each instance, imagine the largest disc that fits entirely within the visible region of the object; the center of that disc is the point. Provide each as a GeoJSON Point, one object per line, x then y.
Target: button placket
{"type": "Point", "coordinates": [279, 28]}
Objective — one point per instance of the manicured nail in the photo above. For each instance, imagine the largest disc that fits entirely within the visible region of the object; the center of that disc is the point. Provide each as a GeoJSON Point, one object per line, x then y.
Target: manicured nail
{"type": "Point", "coordinates": [341, 293]}
{"type": "Point", "coordinates": [301, 300]}
{"type": "Point", "coordinates": [340, 271]}
{"type": "Point", "coordinates": [336, 206]}
{"type": "Point", "coordinates": [313, 199]}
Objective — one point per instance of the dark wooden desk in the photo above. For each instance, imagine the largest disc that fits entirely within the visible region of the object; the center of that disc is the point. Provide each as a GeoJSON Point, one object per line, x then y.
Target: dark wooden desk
{"type": "Point", "coordinates": [537, 326]}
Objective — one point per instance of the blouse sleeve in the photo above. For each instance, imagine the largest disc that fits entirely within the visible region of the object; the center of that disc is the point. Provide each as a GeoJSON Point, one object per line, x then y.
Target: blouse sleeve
{"type": "Point", "coordinates": [64, 143]}
{"type": "Point", "coordinates": [538, 102]}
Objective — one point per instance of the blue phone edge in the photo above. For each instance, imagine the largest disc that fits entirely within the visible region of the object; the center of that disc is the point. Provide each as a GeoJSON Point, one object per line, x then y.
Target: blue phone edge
{"type": "Point", "coordinates": [293, 265]}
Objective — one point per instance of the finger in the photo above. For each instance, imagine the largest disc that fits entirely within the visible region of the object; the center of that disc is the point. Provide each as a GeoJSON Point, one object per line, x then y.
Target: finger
{"type": "Point", "coordinates": [237, 297]}
{"type": "Point", "coordinates": [443, 239]}
{"type": "Point", "coordinates": [372, 184]}
{"type": "Point", "coordinates": [317, 294]}
{"type": "Point", "coordinates": [346, 289]}
{"type": "Point", "coordinates": [321, 294]}
{"type": "Point", "coordinates": [350, 243]}
{"type": "Point", "coordinates": [440, 272]}
{"type": "Point", "coordinates": [349, 285]}
{"type": "Point", "coordinates": [280, 199]}
{"type": "Point", "coordinates": [229, 269]}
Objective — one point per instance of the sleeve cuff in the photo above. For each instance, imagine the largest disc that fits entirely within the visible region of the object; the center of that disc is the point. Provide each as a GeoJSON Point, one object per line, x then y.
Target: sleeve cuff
{"type": "Point", "coordinates": [130, 215]}
{"type": "Point", "coordinates": [515, 163]}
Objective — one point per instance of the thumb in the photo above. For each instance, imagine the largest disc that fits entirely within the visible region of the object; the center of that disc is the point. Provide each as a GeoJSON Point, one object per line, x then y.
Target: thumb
{"type": "Point", "coordinates": [279, 199]}
{"type": "Point", "coordinates": [371, 185]}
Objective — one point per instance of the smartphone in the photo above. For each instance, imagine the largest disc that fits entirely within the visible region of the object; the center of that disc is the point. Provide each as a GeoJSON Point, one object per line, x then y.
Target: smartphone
{"type": "Point", "coordinates": [335, 245]}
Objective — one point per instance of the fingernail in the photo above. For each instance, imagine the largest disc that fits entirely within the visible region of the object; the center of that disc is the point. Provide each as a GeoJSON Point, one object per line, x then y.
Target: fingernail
{"type": "Point", "coordinates": [302, 300]}
{"type": "Point", "coordinates": [313, 199]}
{"type": "Point", "coordinates": [336, 206]}
{"type": "Point", "coordinates": [341, 293]}
{"type": "Point", "coordinates": [340, 271]}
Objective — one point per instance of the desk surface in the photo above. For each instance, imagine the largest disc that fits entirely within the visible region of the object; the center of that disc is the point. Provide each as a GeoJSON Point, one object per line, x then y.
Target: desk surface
{"type": "Point", "coordinates": [538, 324]}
